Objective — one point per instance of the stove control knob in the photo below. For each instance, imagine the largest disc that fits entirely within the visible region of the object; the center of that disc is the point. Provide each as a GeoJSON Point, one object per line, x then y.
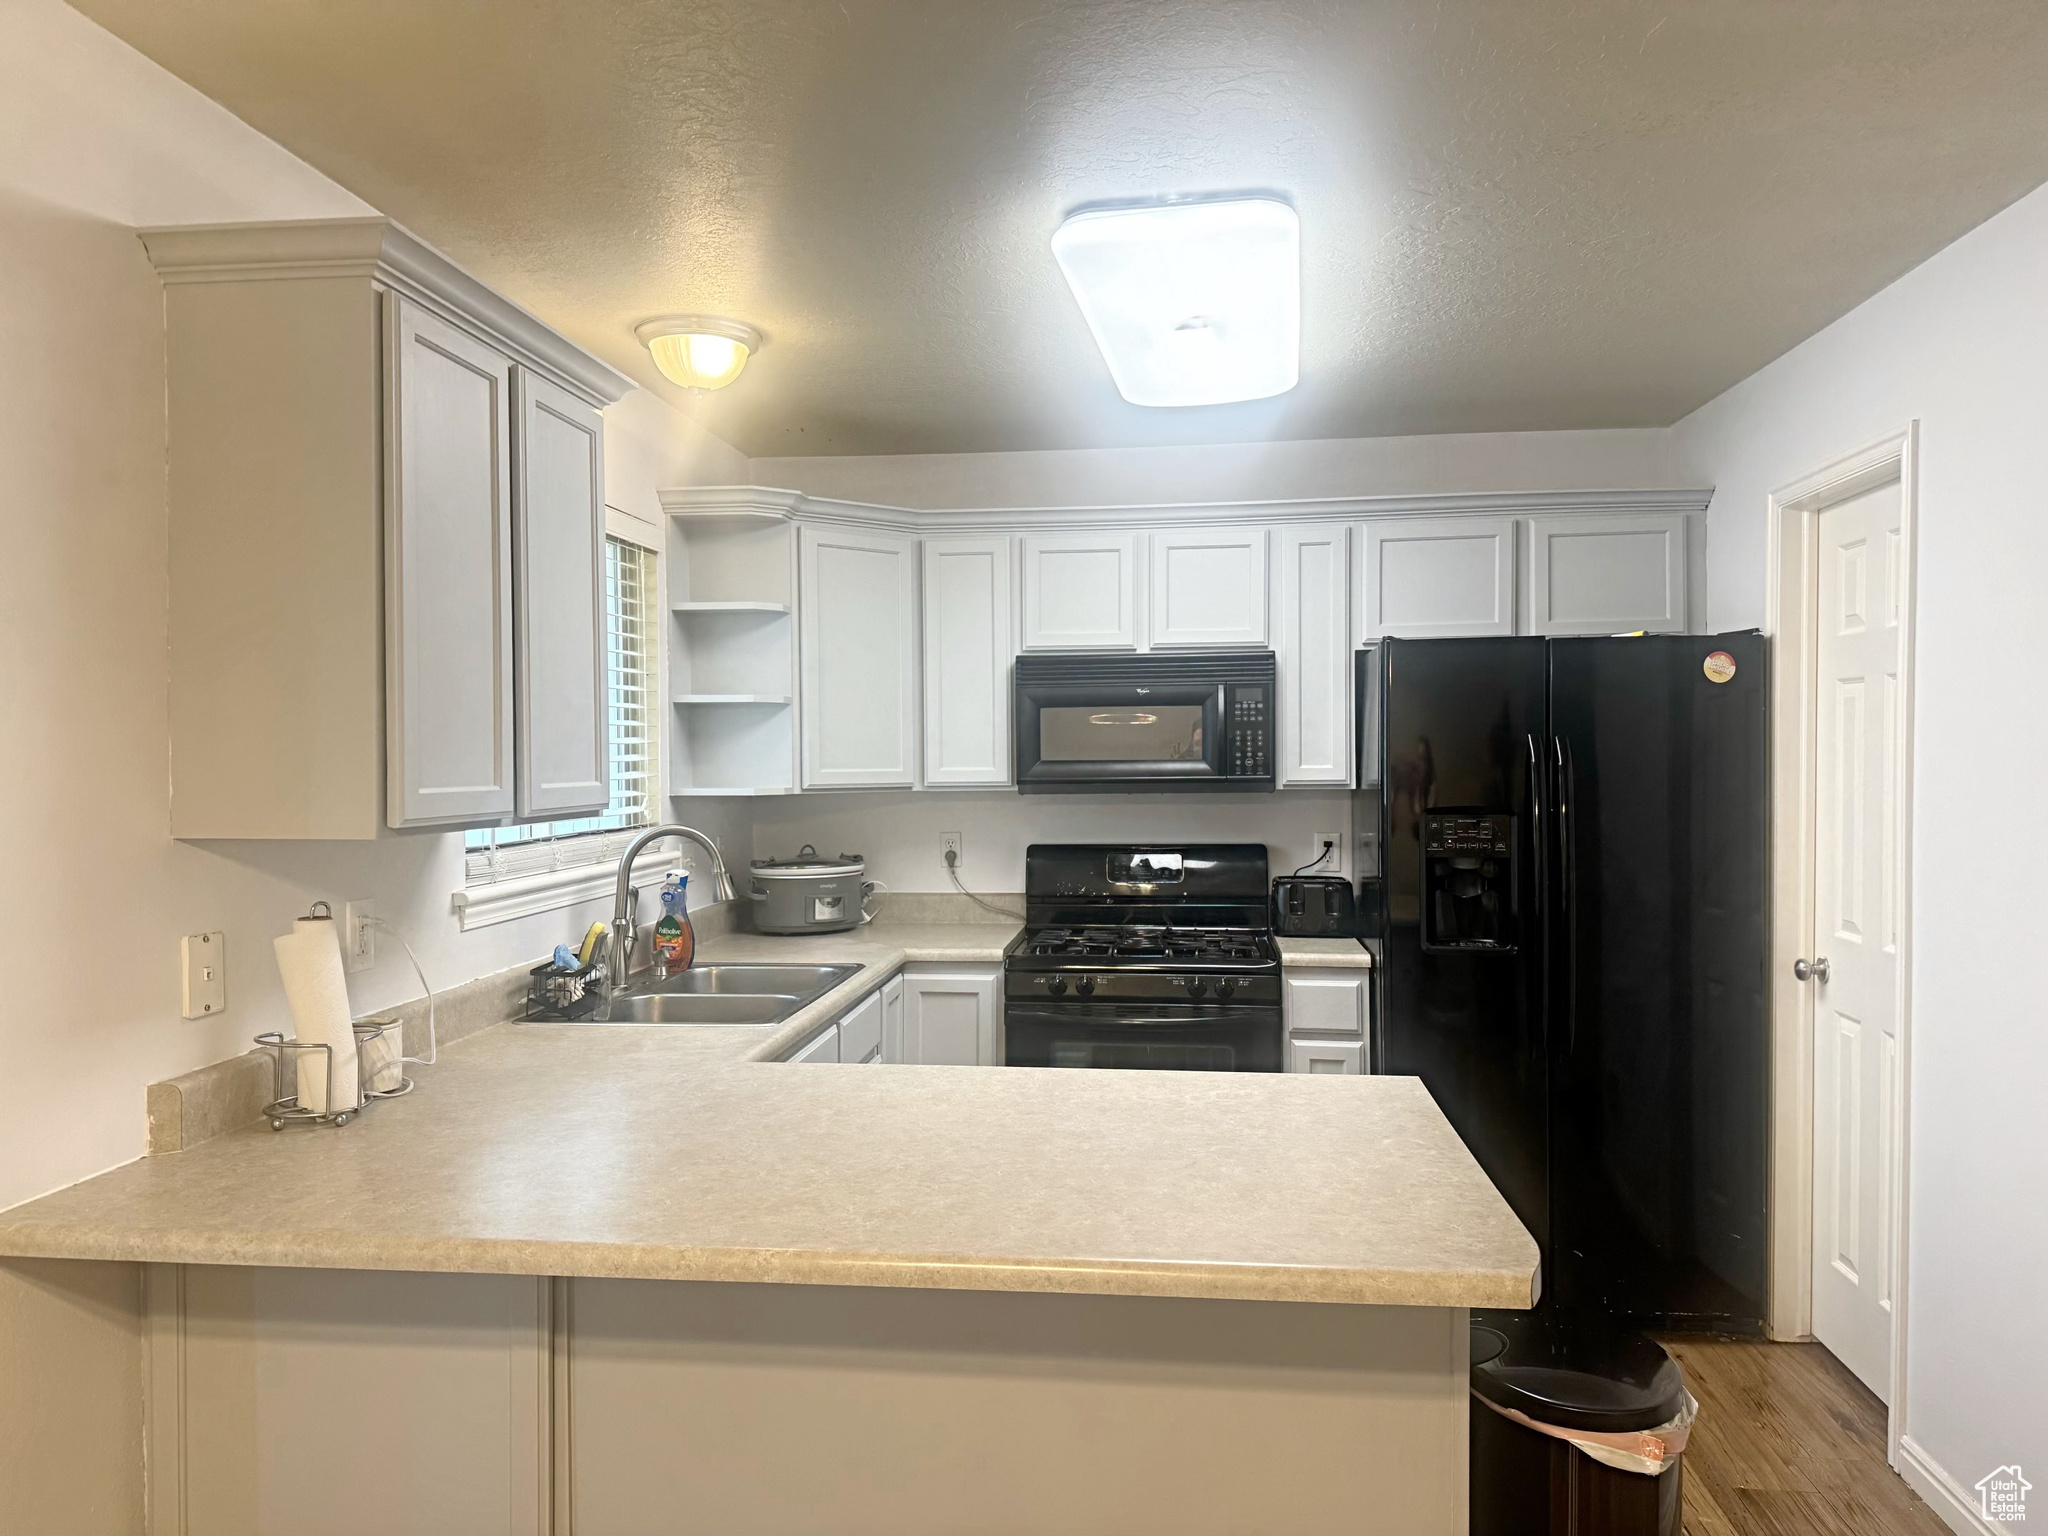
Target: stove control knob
{"type": "Point", "coordinates": [1225, 987]}
{"type": "Point", "coordinates": [1196, 986]}
{"type": "Point", "coordinates": [1056, 985]}
{"type": "Point", "coordinates": [1085, 986]}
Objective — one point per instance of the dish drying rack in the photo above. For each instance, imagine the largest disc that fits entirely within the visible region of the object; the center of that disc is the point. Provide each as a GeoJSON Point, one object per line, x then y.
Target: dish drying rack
{"type": "Point", "coordinates": [284, 1108]}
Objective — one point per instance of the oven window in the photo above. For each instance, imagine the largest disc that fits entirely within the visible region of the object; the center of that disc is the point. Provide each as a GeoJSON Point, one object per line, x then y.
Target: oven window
{"type": "Point", "coordinates": [1155, 733]}
{"type": "Point", "coordinates": [1145, 1055]}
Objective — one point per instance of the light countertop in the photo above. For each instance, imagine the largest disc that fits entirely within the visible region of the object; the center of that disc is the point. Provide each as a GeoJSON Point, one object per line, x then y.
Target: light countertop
{"type": "Point", "coordinates": [1330, 954]}
{"type": "Point", "coordinates": [678, 1152]}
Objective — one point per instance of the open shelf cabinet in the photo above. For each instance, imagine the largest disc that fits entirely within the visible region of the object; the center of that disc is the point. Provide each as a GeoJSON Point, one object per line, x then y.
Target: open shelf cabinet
{"type": "Point", "coordinates": [732, 727]}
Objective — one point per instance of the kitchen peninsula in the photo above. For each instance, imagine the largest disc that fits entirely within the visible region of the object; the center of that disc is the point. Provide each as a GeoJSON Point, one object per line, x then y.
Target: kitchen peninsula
{"type": "Point", "coordinates": [614, 1279]}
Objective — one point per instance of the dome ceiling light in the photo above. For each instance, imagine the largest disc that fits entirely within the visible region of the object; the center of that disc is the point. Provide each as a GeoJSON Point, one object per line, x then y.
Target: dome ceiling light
{"type": "Point", "coordinates": [698, 351]}
{"type": "Point", "coordinates": [1191, 302]}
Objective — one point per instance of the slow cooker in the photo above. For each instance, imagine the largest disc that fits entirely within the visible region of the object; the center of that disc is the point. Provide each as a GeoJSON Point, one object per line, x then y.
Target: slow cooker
{"type": "Point", "coordinates": [809, 893]}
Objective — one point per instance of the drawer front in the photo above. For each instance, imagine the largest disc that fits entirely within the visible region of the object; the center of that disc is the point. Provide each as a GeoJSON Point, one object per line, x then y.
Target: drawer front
{"type": "Point", "coordinates": [1327, 1004]}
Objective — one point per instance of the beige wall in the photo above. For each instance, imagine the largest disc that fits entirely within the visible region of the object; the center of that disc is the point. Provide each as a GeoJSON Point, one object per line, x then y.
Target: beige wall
{"type": "Point", "coordinates": [95, 140]}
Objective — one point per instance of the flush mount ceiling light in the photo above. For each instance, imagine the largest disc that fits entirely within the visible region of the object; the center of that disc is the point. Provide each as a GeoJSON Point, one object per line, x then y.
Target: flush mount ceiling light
{"type": "Point", "coordinates": [699, 351]}
{"type": "Point", "coordinates": [1192, 303]}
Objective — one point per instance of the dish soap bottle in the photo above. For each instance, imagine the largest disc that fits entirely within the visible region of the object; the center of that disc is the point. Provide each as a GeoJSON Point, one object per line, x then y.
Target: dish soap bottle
{"type": "Point", "coordinates": [675, 941]}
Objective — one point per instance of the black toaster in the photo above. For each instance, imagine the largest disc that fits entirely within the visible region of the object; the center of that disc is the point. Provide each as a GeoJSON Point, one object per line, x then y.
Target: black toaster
{"type": "Point", "coordinates": [1315, 907]}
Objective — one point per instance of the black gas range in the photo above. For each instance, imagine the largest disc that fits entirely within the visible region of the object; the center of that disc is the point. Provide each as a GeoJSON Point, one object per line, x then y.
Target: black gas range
{"type": "Point", "coordinates": [1152, 957]}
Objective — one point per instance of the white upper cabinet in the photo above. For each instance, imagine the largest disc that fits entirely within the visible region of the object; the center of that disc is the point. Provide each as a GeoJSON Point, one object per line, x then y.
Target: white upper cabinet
{"type": "Point", "coordinates": [558, 599]}
{"type": "Point", "coordinates": [1607, 575]}
{"type": "Point", "coordinates": [1312, 641]}
{"type": "Point", "coordinates": [448, 572]}
{"type": "Point", "coordinates": [1433, 576]}
{"type": "Point", "coordinates": [967, 653]}
{"type": "Point", "coordinates": [384, 483]}
{"type": "Point", "coordinates": [857, 603]}
{"type": "Point", "coordinates": [1080, 591]}
{"type": "Point", "coordinates": [1208, 588]}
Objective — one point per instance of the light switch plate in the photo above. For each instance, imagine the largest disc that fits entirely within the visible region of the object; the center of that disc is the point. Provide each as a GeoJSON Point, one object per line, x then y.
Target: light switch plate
{"type": "Point", "coordinates": [206, 973]}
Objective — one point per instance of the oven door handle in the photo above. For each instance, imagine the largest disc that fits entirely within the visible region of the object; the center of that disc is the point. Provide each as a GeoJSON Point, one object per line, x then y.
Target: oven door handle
{"type": "Point", "coordinates": [1112, 1016]}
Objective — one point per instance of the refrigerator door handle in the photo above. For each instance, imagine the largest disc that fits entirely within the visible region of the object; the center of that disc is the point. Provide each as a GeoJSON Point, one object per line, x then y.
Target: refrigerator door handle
{"type": "Point", "coordinates": [1568, 858]}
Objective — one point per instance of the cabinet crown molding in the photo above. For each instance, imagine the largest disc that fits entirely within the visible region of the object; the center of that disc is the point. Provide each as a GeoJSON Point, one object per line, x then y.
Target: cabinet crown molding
{"type": "Point", "coordinates": [725, 501]}
{"type": "Point", "coordinates": [385, 252]}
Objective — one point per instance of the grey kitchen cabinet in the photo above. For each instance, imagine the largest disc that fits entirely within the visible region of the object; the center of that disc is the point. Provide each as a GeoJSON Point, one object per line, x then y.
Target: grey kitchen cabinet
{"type": "Point", "coordinates": [1080, 591]}
{"type": "Point", "coordinates": [860, 1031]}
{"type": "Point", "coordinates": [348, 613]}
{"type": "Point", "coordinates": [558, 621]}
{"type": "Point", "coordinates": [892, 1019]}
{"type": "Point", "coordinates": [823, 1046]}
{"type": "Point", "coordinates": [968, 648]}
{"type": "Point", "coordinates": [1607, 575]}
{"type": "Point", "coordinates": [857, 618]}
{"type": "Point", "coordinates": [952, 1016]}
{"type": "Point", "coordinates": [1338, 1058]}
{"type": "Point", "coordinates": [1312, 646]}
{"type": "Point", "coordinates": [1431, 577]}
{"type": "Point", "coordinates": [1208, 587]}
{"type": "Point", "coordinates": [448, 686]}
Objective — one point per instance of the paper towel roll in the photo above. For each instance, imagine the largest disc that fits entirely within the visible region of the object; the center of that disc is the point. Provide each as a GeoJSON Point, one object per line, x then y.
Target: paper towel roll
{"type": "Point", "coordinates": [309, 959]}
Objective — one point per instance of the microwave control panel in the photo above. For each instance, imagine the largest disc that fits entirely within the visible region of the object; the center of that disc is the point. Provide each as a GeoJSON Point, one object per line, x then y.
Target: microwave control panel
{"type": "Point", "coordinates": [1249, 735]}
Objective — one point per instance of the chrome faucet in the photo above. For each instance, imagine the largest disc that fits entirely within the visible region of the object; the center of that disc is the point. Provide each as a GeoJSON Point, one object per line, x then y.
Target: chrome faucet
{"type": "Point", "coordinates": [626, 900]}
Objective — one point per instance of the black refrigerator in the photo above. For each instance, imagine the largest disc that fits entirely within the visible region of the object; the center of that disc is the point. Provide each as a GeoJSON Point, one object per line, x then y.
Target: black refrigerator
{"type": "Point", "coordinates": [1570, 838]}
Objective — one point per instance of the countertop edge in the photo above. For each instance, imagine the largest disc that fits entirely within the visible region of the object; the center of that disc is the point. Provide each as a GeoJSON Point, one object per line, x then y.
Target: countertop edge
{"type": "Point", "coordinates": [1507, 1289]}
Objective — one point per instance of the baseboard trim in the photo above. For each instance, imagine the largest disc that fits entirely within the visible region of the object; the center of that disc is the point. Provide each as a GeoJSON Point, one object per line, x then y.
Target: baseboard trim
{"type": "Point", "coordinates": [1948, 1498]}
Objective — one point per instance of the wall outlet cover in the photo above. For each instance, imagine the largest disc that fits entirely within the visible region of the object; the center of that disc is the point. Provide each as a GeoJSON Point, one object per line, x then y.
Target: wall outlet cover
{"type": "Point", "coordinates": [359, 935]}
{"type": "Point", "coordinates": [950, 842]}
{"type": "Point", "coordinates": [205, 969]}
{"type": "Point", "coordinates": [1334, 864]}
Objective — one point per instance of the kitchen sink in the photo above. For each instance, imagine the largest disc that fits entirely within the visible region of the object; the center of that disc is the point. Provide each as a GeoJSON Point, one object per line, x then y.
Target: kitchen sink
{"type": "Point", "coordinates": [702, 1008]}
{"type": "Point", "coordinates": [724, 994]}
{"type": "Point", "coordinates": [802, 982]}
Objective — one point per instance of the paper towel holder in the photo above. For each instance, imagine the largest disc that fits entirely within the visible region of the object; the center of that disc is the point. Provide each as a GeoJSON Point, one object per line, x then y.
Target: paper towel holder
{"type": "Point", "coordinates": [284, 1108]}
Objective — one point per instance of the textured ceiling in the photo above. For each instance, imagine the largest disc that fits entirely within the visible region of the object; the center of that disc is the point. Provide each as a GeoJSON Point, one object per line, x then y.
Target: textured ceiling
{"type": "Point", "coordinates": [1516, 214]}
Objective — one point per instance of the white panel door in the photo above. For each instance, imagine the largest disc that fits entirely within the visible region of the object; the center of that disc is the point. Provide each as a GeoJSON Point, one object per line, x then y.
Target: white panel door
{"type": "Point", "coordinates": [1424, 577]}
{"type": "Point", "coordinates": [1208, 587]}
{"type": "Point", "coordinates": [1607, 575]}
{"type": "Point", "coordinates": [1313, 650]}
{"type": "Point", "coordinates": [558, 599]}
{"type": "Point", "coordinates": [447, 573]}
{"type": "Point", "coordinates": [892, 1019]}
{"type": "Point", "coordinates": [949, 1018]}
{"type": "Point", "coordinates": [860, 1032]}
{"type": "Point", "coordinates": [823, 1046]}
{"type": "Point", "coordinates": [1080, 591]}
{"type": "Point", "coordinates": [968, 648]}
{"type": "Point", "coordinates": [1337, 1058]}
{"type": "Point", "coordinates": [1325, 1002]}
{"type": "Point", "coordinates": [1856, 929]}
{"type": "Point", "coordinates": [858, 599]}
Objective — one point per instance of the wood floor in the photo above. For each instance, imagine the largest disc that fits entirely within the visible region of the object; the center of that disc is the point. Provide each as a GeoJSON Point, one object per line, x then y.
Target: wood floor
{"type": "Point", "coordinates": [1788, 1443]}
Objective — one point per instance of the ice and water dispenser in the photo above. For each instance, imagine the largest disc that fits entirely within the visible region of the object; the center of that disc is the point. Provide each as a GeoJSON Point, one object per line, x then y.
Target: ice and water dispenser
{"type": "Point", "coordinates": [1468, 882]}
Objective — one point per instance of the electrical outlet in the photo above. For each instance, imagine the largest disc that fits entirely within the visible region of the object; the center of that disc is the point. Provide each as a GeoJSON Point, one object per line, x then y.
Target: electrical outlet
{"type": "Point", "coordinates": [949, 842]}
{"type": "Point", "coordinates": [1334, 864]}
{"type": "Point", "coordinates": [359, 934]}
{"type": "Point", "coordinates": [206, 973]}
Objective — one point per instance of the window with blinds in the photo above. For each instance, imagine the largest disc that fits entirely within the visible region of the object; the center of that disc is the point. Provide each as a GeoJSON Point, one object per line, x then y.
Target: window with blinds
{"type": "Point", "coordinates": [633, 723]}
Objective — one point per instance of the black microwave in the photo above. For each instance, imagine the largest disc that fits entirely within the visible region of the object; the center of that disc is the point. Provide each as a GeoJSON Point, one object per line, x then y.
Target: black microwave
{"type": "Point", "coordinates": [1090, 722]}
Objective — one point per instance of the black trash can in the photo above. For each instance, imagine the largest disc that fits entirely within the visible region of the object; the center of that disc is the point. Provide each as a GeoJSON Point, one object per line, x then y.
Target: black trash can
{"type": "Point", "coordinates": [1526, 1483]}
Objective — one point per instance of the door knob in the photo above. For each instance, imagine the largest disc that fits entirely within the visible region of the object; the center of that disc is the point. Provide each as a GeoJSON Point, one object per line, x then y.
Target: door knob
{"type": "Point", "coordinates": [1811, 970]}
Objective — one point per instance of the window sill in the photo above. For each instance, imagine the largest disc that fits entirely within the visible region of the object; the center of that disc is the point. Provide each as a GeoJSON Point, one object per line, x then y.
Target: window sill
{"type": "Point", "coordinates": [479, 906]}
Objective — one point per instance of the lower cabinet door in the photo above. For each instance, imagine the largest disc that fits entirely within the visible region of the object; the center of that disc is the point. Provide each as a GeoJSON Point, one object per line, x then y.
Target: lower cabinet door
{"type": "Point", "coordinates": [860, 1032]}
{"type": "Point", "coordinates": [892, 1020]}
{"type": "Point", "coordinates": [823, 1046]}
{"type": "Point", "coordinates": [1343, 1058]}
{"type": "Point", "coordinates": [950, 1017]}
{"type": "Point", "coordinates": [1325, 1002]}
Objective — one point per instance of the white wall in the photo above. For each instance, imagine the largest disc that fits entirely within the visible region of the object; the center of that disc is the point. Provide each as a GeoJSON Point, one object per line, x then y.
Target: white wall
{"type": "Point", "coordinates": [899, 833]}
{"type": "Point", "coordinates": [1961, 346]}
{"type": "Point", "coordinates": [95, 140]}
{"type": "Point", "coordinates": [1629, 459]}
